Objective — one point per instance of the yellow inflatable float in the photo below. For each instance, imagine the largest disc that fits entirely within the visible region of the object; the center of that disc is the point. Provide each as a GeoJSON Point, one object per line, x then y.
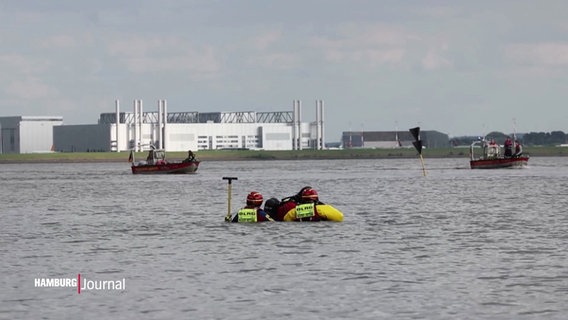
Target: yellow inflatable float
{"type": "Point", "coordinates": [305, 206]}
{"type": "Point", "coordinates": [323, 212]}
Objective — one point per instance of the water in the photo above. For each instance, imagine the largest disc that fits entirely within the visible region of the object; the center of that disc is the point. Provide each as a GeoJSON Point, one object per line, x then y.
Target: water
{"type": "Point", "coordinates": [456, 244]}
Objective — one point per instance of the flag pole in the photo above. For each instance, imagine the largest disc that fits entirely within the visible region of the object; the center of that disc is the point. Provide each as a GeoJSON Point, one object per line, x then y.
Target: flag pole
{"type": "Point", "coordinates": [423, 167]}
{"type": "Point", "coordinates": [418, 145]}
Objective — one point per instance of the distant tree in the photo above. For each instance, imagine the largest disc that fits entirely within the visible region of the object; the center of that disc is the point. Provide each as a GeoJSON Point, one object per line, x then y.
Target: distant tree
{"type": "Point", "coordinates": [544, 138]}
{"type": "Point", "coordinates": [531, 138]}
{"type": "Point", "coordinates": [463, 140]}
{"type": "Point", "coordinates": [498, 136]}
{"type": "Point", "coordinates": [557, 137]}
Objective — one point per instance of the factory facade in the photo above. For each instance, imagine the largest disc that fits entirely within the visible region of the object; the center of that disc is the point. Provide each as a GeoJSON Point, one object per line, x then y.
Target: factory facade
{"type": "Point", "coordinates": [25, 134]}
{"type": "Point", "coordinates": [393, 139]}
{"type": "Point", "coordinates": [141, 130]}
{"type": "Point", "coordinates": [181, 131]}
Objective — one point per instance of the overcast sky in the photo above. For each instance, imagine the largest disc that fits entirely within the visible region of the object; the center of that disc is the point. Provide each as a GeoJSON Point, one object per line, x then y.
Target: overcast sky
{"type": "Point", "coordinates": [459, 67]}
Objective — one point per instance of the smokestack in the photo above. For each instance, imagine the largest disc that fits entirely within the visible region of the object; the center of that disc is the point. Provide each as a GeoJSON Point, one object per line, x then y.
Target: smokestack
{"type": "Point", "coordinates": [322, 134]}
{"type": "Point", "coordinates": [294, 121]}
{"type": "Point", "coordinates": [140, 118]}
{"type": "Point", "coordinates": [159, 124]}
{"type": "Point", "coordinates": [135, 133]}
{"type": "Point", "coordinates": [117, 104]}
{"type": "Point", "coordinates": [165, 119]}
{"type": "Point", "coordinates": [317, 140]}
{"type": "Point", "coordinates": [299, 124]}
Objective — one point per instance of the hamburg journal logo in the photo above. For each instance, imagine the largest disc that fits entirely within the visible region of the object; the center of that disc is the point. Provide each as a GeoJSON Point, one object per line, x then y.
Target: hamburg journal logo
{"type": "Point", "coordinates": [81, 284]}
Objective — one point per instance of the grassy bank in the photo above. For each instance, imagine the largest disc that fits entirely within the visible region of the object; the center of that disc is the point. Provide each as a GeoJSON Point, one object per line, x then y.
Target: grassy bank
{"type": "Point", "coordinates": [224, 155]}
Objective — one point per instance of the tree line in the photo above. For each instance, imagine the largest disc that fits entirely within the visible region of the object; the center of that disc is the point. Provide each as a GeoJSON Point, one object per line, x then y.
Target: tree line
{"type": "Point", "coordinates": [528, 139]}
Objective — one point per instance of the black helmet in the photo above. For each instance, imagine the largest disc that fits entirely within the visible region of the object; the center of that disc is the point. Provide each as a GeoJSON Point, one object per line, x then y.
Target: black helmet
{"type": "Point", "coordinates": [298, 196]}
{"type": "Point", "coordinates": [271, 205]}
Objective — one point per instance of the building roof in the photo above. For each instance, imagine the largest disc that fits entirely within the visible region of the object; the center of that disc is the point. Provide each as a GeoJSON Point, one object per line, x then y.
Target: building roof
{"type": "Point", "coordinates": [381, 135]}
{"type": "Point", "coordinates": [42, 118]}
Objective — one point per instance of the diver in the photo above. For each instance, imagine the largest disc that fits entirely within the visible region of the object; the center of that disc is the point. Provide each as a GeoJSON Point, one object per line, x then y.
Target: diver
{"type": "Point", "coordinates": [279, 209]}
{"type": "Point", "coordinates": [306, 206]}
{"type": "Point", "coordinates": [271, 208]}
{"type": "Point", "coordinates": [252, 211]}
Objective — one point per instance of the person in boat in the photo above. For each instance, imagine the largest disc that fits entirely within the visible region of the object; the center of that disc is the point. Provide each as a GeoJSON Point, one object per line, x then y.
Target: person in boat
{"type": "Point", "coordinates": [491, 149]}
{"type": "Point", "coordinates": [190, 157]}
{"type": "Point", "coordinates": [306, 206]}
{"type": "Point", "coordinates": [508, 147]}
{"type": "Point", "coordinates": [252, 211]}
{"type": "Point", "coordinates": [150, 158]}
{"type": "Point", "coordinates": [518, 149]}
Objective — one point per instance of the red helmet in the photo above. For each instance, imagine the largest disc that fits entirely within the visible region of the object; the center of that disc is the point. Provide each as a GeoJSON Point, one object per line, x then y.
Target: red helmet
{"type": "Point", "coordinates": [309, 195]}
{"type": "Point", "coordinates": [254, 199]}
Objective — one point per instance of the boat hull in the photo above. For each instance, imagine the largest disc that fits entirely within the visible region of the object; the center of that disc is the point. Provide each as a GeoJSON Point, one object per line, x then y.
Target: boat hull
{"type": "Point", "coordinates": [515, 162]}
{"type": "Point", "coordinates": [172, 168]}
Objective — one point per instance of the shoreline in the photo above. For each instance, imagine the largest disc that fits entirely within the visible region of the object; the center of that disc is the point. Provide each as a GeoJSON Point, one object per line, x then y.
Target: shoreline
{"type": "Point", "coordinates": [251, 155]}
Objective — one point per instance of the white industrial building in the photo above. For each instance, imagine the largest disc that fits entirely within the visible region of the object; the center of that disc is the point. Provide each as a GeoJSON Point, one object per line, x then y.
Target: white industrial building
{"type": "Point", "coordinates": [27, 134]}
{"type": "Point", "coordinates": [182, 131]}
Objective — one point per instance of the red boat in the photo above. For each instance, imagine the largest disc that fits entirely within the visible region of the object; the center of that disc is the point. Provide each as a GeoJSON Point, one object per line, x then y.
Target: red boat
{"type": "Point", "coordinates": [491, 157]}
{"type": "Point", "coordinates": [156, 163]}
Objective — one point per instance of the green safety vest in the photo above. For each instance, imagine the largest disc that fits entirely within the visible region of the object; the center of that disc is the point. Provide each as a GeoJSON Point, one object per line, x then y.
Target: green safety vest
{"type": "Point", "coordinates": [247, 215]}
{"type": "Point", "coordinates": [305, 210]}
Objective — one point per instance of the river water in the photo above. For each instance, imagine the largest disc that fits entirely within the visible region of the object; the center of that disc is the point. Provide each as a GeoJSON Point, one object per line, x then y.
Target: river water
{"type": "Point", "coordinates": [456, 244]}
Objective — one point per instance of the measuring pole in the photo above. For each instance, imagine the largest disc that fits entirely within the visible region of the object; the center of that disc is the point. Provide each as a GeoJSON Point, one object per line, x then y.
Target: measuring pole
{"type": "Point", "coordinates": [229, 189]}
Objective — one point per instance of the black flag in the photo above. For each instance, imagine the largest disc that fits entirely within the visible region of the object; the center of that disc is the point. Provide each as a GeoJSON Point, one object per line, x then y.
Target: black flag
{"type": "Point", "coordinates": [415, 133]}
{"type": "Point", "coordinates": [418, 145]}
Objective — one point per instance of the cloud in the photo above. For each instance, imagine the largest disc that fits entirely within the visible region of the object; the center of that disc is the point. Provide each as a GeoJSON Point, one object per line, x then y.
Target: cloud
{"type": "Point", "coordinates": [536, 60]}
{"type": "Point", "coordinates": [62, 41]}
{"type": "Point", "coordinates": [25, 80]}
{"type": "Point", "coordinates": [15, 64]}
{"type": "Point", "coordinates": [366, 45]}
{"type": "Point", "coordinates": [30, 89]}
{"type": "Point", "coordinates": [281, 61]}
{"type": "Point", "coordinates": [266, 40]}
{"type": "Point", "coordinates": [545, 54]}
{"type": "Point", "coordinates": [435, 58]}
{"type": "Point", "coordinates": [379, 45]}
{"type": "Point", "coordinates": [433, 11]}
{"type": "Point", "coordinates": [156, 54]}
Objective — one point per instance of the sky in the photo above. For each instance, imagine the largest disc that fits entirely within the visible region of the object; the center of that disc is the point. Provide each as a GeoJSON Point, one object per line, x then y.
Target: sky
{"type": "Point", "coordinates": [458, 67]}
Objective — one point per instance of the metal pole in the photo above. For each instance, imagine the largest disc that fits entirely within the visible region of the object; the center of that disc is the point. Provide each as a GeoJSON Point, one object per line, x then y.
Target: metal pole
{"type": "Point", "coordinates": [229, 190]}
